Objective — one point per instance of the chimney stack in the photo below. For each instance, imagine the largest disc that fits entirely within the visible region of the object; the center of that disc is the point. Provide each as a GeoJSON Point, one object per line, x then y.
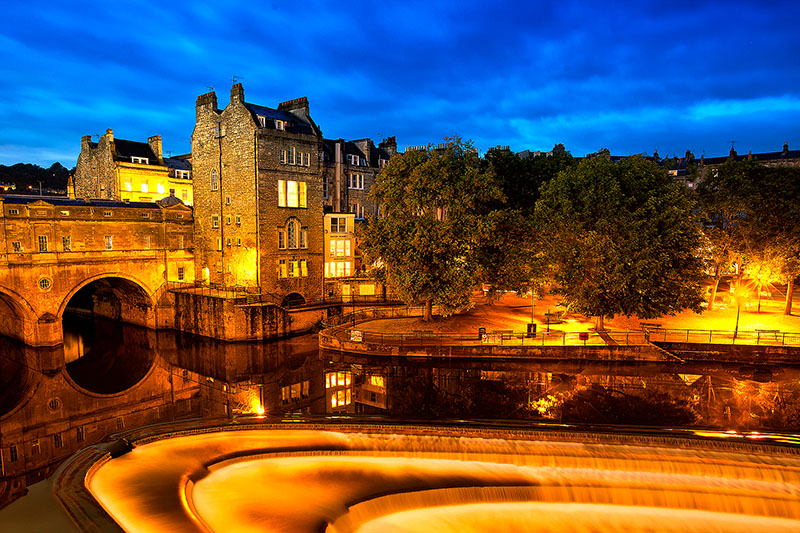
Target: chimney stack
{"type": "Point", "coordinates": [237, 93]}
{"type": "Point", "coordinates": [785, 149]}
{"type": "Point", "coordinates": [109, 135]}
{"type": "Point", "coordinates": [155, 145]}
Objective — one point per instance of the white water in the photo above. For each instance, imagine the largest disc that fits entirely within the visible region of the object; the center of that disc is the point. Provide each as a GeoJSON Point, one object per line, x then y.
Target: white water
{"type": "Point", "coordinates": [297, 480]}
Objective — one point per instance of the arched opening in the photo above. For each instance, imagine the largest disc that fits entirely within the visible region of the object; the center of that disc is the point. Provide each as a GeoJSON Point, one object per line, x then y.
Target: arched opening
{"type": "Point", "coordinates": [105, 348]}
{"type": "Point", "coordinates": [17, 320]}
{"type": "Point", "coordinates": [294, 299]}
{"type": "Point", "coordinates": [14, 375]}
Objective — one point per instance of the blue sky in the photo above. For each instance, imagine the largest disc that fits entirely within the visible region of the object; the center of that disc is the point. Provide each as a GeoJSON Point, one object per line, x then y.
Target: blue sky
{"type": "Point", "coordinates": [633, 77]}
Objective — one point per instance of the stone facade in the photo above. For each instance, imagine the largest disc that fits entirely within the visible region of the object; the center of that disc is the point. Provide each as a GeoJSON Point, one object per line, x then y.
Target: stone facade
{"type": "Point", "coordinates": [350, 169]}
{"type": "Point", "coordinates": [259, 197]}
{"type": "Point", "coordinates": [117, 169]}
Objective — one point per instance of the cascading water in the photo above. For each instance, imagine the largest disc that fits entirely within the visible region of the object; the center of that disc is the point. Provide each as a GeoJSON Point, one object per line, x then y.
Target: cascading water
{"type": "Point", "coordinates": [410, 479]}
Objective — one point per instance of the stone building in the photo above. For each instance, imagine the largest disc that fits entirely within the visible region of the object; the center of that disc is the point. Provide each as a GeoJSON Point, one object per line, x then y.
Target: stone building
{"type": "Point", "coordinates": [259, 197]}
{"type": "Point", "coordinates": [350, 168]}
{"type": "Point", "coordinates": [117, 169]}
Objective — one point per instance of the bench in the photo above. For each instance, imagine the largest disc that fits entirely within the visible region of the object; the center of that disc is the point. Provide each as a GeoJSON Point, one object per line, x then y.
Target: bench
{"type": "Point", "coordinates": [647, 325]}
{"type": "Point", "coordinates": [773, 332]}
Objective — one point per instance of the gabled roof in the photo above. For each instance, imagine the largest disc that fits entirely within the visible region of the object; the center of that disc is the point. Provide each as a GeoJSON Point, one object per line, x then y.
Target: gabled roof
{"type": "Point", "coordinates": [297, 124]}
{"type": "Point", "coordinates": [124, 150]}
{"type": "Point", "coordinates": [178, 164]}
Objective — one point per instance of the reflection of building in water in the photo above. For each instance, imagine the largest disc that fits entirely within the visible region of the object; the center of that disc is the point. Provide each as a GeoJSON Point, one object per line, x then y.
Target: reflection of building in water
{"type": "Point", "coordinates": [355, 391]}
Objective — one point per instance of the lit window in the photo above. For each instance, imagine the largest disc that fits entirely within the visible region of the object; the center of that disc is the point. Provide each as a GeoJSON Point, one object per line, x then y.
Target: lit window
{"type": "Point", "coordinates": [214, 180]}
{"type": "Point", "coordinates": [144, 186]}
{"type": "Point", "coordinates": [337, 379]}
{"type": "Point", "coordinates": [238, 242]}
{"type": "Point", "coordinates": [280, 124]}
{"type": "Point", "coordinates": [160, 188]}
{"type": "Point", "coordinates": [341, 398]}
{"type": "Point", "coordinates": [108, 242]}
{"type": "Point", "coordinates": [292, 193]}
{"type": "Point", "coordinates": [377, 381]}
{"type": "Point", "coordinates": [219, 244]}
{"type": "Point", "coordinates": [228, 242]}
{"type": "Point", "coordinates": [107, 213]}
{"type": "Point", "coordinates": [140, 160]}
{"type": "Point", "coordinates": [66, 243]}
{"type": "Point", "coordinates": [238, 220]}
{"type": "Point", "coordinates": [228, 220]}
{"type": "Point", "coordinates": [283, 157]}
{"type": "Point", "coordinates": [35, 449]}
{"type": "Point", "coordinates": [42, 243]}
{"type": "Point", "coordinates": [214, 221]}
{"type": "Point", "coordinates": [282, 269]}
{"type": "Point", "coordinates": [262, 121]}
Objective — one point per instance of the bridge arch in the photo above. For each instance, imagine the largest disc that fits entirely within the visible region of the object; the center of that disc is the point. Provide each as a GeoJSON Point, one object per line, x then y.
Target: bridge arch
{"type": "Point", "coordinates": [18, 319]}
{"type": "Point", "coordinates": [114, 295]}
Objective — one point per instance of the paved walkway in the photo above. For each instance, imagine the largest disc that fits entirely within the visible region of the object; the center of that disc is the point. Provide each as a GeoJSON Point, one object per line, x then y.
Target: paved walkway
{"type": "Point", "coordinates": [513, 313]}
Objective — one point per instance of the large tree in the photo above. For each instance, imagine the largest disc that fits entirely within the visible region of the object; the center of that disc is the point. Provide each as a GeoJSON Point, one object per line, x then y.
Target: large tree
{"type": "Point", "coordinates": [753, 212]}
{"type": "Point", "coordinates": [426, 241]}
{"type": "Point", "coordinates": [621, 239]}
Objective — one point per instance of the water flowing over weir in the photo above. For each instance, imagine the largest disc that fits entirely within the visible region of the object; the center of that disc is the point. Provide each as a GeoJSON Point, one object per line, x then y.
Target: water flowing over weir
{"type": "Point", "coordinates": [404, 478]}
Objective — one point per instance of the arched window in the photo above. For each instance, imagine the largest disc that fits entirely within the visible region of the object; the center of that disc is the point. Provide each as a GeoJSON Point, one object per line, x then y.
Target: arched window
{"type": "Point", "coordinates": [214, 180]}
{"type": "Point", "coordinates": [291, 234]}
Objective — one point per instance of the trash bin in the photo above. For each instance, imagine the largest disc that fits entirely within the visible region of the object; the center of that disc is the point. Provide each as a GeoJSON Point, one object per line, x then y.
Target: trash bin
{"type": "Point", "coordinates": [583, 335]}
{"type": "Point", "coordinates": [481, 333]}
{"type": "Point", "coordinates": [531, 330]}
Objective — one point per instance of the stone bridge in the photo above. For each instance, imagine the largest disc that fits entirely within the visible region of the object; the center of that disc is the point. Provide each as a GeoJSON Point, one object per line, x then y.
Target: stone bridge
{"type": "Point", "coordinates": [125, 253]}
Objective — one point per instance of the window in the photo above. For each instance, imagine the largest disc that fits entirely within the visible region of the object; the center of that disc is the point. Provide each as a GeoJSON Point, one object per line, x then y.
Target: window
{"type": "Point", "coordinates": [120, 423]}
{"type": "Point", "coordinates": [16, 246]}
{"type": "Point", "coordinates": [325, 188]}
{"type": "Point", "coordinates": [214, 221]}
{"type": "Point", "coordinates": [228, 220]}
{"type": "Point", "coordinates": [145, 215]}
{"type": "Point", "coordinates": [64, 213]}
{"type": "Point", "coordinates": [160, 188]}
{"type": "Point", "coordinates": [238, 241]}
{"type": "Point", "coordinates": [341, 398]}
{"type": "Point", "coordinates": [219, 244]}
{"type": "Point", "coordinates": [66, 243]}
{"type": "Point", "coordinates": [181, 272]}
{"type": "Point", "coordinates": [128, 186]}
{"type": "Point", "coordinates": [172, 192]}
{"type": "Point", "coordinates": [146, 242]}
{"type": "Point", "coordinates": [358, 209]}
{"type": "Point", "coordinates": [13, 211]}
{"type": "Point", "coordinates": [44, 283]}
{"type": "Point", "coordinates": [13, 454]}
{"type": "Point", "coordinates": [337, 379]}
{"type": "Point", "coordinates": [108, 242]}
{"type": "Point", "coordinates": [303, 237]}
{"type": "Point", "coordinates": [295, 392]}
{"type": "Point", "coordinates": [42, 243]}
{"type": "Point", "coordinates": [338, 225]}
{"type": "Point", "coordinates": [283, 157]}
{"type": "Point", "coordinates": [262, 121]}
{"type": "Point", "coordinates": [107, 213]}
{"type": "Point", "coordinates": [382, 163]}
{"type": "Point", "coordinates": [58, 440]}
{"type": "Point", "coordinates": [281, 240]}
{"type": "Point", "coordinates": [307, 159]}
{"type": "Point", "coordinates": [184, 196]}
{"type": "Point", "coordinates": [297, 268]}
{"type": "Point", "coordinates": [80, 434]}
{"type": "Point", "coordinates": [238, 220]}
{"type": "Point", "coordinates": [337, 269]}
{"type": "Point", "coordinates": [180, 242]}
{"type": "Point", "coordinates": [290, 158]}
{"type": "Point", "coordinates": [227, 200]}
{"type": "Point", "coordinates": [228, 242]}
{"type": "Point", "coordinates": [352, 159]}
{"type": "Point", "coordinates": [144, 186]}
{"type": "Point", "coordinates": [280, 124]}
{"type": "Point", "coordinates": [214, 180]}
{"type": "Point", "coordinates": [356, 181]}
{"type": "Point", "coordinates": [291, 234]}
{"type": "Point", "coordinates": [35, 449]}
{"type": "Point", "coordinates": [140, 160]}
{"type": "Point", "coordinates": [340, 248]}
{"type": "Point", "coordinates": [292, 193]}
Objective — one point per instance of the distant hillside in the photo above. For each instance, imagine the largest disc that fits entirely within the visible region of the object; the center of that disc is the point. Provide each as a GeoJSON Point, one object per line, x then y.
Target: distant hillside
{"type": "Point", "coordinates": [27, 177]}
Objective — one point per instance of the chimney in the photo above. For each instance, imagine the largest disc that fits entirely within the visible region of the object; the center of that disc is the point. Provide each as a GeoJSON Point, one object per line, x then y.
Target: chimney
{"type": "Point", "coordinates": [785, 149]}
{"type": "Point", "coordinates": [732, 154]}
{"type": "Point", "coordinates": [297, 107]}
{"type": "Point", "coordinates": [390, 145]}
{"type": "Point", "coordinates": [85, 140]}
{"type": "Point", "coordinates": [750, 155]}
{"type": "Point", "coordinates": [109, 135]}
{"type": "Point", "coordinates": [206, 102]}
{"type": "Point", "coordinates": [237, 93]}
{"type": "Point", "coordinates": [155, 145]}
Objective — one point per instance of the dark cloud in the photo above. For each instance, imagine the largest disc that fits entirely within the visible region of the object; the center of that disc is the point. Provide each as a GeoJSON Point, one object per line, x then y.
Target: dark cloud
{"type": "Point", "coordinates": [631, 76]}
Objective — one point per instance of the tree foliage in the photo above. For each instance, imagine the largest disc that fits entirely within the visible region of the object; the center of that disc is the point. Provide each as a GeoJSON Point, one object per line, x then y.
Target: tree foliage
{"type": "Point", "coordinates": [621, 239]}
{"type": "Point", "coordinates": [425, 243]}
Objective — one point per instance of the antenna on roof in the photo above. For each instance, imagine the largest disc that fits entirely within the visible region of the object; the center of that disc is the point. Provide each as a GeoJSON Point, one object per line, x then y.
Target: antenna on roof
{"type": "Point", "coordinates": [235, 79]}
{"type": "Point", "coordinates": [733, 145]}
{"type": "Point", "coordinates": [210, 88]}
{"type": "Point", "coordinates": [169, 153]}
{"type": "Point", "coordinates": [96, 135]}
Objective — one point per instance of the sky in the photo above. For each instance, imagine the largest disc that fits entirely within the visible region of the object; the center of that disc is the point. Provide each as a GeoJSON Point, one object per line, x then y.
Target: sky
{"type": "Point", "coordinates": [633, 77]}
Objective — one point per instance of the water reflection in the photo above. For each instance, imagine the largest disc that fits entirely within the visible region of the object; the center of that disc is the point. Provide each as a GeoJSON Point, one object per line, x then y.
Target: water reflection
{"type": "Point", "coordinates": [109, 377]}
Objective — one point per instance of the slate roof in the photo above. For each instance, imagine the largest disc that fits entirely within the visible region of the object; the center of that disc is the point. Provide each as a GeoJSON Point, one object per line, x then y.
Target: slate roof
{"type": "Point", "coordinates": [177, 163]}
{"type": "Point", "coordinates": [124, 150]}
{"type": "Point", "coordinates": [77, 202]}
{"type": "Point", "coordinates": [296, 124]}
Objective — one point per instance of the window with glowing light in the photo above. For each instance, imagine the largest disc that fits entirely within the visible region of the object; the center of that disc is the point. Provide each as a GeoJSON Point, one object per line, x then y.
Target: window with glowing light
{"type": "Point", "coordinates": [338, 379]}
{"type": "Point", "coordinates": [377, 381]}
{"type": "Point", "coordinates": [341, 398]}
{"type": "Point", "coordinates": [297, 268]}
{"type": "Point", "coordinates": [292, 193]}
{"type": "Point", "coordinates": [339, 248]}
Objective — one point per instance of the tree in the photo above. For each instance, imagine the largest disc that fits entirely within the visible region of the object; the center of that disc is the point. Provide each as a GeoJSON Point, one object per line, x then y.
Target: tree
{"type": "Point", "coordinates": [753, 212]}
{"type": "Point", "coordinates": [425, 243]}
{"type": "Point", "coordinates": [621, 239]}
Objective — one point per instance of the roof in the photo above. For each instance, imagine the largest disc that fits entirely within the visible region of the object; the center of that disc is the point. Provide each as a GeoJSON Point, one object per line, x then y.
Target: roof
{"type": "Point", "coordinates": [76, 202]}
{"type": "Point", "coordinates": [178, 164]}
{"type": "Point", "coordinates": [127, 149]}
{"type": "Point", "coordinates": [297, 124]}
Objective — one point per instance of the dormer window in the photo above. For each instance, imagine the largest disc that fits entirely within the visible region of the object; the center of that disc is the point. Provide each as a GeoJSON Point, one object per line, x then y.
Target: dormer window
{"type": "Point", "coordinates": [262, 121]}
{"type": "Point", "coordinates": [140, 160]}
{"type": "Point", "coordinates": [280, 124]}
{"type": "Point", "coordinates": [352, 159]}
{"type": "Point", "coordinates": [382, 163]}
